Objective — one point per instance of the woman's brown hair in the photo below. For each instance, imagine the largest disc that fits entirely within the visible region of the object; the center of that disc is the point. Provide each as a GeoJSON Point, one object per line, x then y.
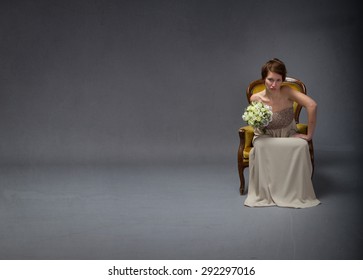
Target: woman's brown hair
{"type": "Point", "coordinates": [276, 66]}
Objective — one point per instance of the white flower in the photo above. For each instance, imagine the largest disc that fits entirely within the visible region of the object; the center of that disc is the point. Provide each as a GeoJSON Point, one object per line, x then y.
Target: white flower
{"type": "Point", "coordinates": [257, 114]}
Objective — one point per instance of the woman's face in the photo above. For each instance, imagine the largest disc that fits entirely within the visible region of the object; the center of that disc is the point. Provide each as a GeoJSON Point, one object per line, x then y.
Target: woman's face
{"type": "Point", "coordinates": [273, 81]}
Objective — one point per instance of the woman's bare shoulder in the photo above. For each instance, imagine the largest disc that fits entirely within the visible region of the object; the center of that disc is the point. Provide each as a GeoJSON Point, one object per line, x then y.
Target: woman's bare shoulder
{"type": "Point", "coordinates": [285, 89]}
{"type": "Point", "coordinates": [257, 96]}
{"type": "Point", "coordinates": [290, 92]}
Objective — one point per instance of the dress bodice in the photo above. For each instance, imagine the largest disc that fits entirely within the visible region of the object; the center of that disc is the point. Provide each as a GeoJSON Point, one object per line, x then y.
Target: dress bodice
{"type": "Point", "coordinates": [281, 119]}
{"type": "Point", "coordinates": [282, 125]}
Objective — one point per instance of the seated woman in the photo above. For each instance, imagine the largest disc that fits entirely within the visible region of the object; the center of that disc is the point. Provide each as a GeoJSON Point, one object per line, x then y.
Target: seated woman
{"type": "Point", "coordinates": [280, 164]}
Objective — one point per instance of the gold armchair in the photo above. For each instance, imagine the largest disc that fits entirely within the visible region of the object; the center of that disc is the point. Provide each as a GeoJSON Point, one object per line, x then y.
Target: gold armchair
{"type": "Point", "coordinates": [246, 133]}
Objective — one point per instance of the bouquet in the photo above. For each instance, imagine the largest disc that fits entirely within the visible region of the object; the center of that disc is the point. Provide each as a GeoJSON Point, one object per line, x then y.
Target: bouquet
{"type": "Point", "coordinates": [258, 114]}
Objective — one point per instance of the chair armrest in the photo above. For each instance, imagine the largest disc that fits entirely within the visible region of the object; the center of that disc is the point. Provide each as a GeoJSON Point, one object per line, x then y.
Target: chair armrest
{"type": "Point", "coordinates": [302, 128]}
{"type": "Point", "coordinates": [246, 134]}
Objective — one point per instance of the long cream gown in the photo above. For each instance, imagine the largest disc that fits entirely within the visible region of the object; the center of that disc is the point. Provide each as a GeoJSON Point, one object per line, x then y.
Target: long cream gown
{"type": "Point", "coordinates": [280, 166]}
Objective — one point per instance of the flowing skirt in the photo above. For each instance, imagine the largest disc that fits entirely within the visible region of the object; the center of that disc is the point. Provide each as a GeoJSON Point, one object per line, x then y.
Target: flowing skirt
{"type": "Point", "coordinates": [280, 173]}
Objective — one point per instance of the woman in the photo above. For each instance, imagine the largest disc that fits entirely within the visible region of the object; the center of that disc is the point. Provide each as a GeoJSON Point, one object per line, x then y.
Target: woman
{"type": "Point", "coordinates": [280, 164]}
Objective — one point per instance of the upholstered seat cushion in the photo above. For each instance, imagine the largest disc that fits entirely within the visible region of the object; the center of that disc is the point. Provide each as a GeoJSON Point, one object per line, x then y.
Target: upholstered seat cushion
{"type": "Point", "coordinates": [248, 135]}
{"type": "Point", "coordinates": [246, 152]}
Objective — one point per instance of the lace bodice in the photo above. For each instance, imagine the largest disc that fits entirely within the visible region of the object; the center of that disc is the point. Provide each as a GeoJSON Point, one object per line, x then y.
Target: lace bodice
{"type": "Point", "coordinates": [281, 118]}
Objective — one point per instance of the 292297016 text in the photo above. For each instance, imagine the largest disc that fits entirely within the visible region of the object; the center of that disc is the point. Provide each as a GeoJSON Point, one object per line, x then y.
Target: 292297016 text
{"type": "Point", "coordinates": [228, 270]}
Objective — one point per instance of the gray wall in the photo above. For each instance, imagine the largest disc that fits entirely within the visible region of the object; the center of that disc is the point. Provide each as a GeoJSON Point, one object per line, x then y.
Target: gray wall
{"type": "Point", "coordinates": [165, 79]}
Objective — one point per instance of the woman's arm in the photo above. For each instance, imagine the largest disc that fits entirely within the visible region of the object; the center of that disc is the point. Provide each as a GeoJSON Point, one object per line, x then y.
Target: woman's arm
{"type": "Point", "coordinates": [311, 108]}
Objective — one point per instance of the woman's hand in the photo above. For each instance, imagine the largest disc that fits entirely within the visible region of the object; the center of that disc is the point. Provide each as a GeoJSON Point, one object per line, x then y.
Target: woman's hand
{"type": "Point", "coordinates": [302, 136]}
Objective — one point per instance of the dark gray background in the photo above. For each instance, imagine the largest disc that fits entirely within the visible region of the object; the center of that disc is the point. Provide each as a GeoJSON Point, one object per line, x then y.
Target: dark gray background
{"type": "Point", "coordinates": [165, 80]}
{"type": "Point", "coordinates": [119, 125]}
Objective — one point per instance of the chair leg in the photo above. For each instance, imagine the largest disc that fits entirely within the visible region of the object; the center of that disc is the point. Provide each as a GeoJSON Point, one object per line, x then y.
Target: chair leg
{"type": "Point", "coordinates": [311, 150]}
{"type": "Point", "coordinates": [241, 163]}
{"type": "Point", "coordinates": [242, 180]}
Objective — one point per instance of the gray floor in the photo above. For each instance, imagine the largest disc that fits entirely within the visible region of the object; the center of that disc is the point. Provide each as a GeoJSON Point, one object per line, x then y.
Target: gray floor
{"type": "Point", "coordinates": [172, 211]}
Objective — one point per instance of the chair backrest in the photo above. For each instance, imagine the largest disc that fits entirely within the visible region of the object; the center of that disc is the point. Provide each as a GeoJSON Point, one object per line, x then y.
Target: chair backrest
{"type": "Point", "coordinates": [259, 85]}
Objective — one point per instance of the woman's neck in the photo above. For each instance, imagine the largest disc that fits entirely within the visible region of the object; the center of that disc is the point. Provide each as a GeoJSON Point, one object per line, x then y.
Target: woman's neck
{"type": "Point", "coordinates": [272, 95]}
